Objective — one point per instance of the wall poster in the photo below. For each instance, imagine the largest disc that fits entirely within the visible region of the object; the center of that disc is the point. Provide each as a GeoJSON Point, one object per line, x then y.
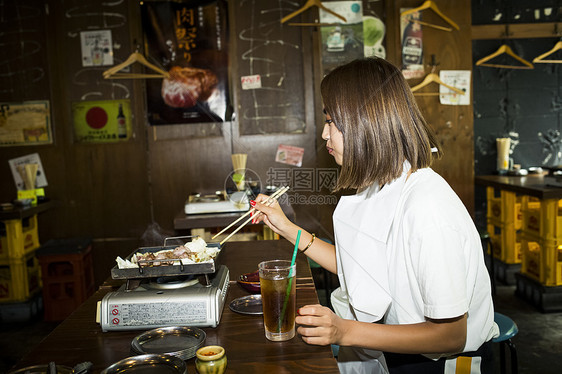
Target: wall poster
{"type": "Point", "coordinates": [104, 121]}
{"type": "Point", "coordinates": [412, 45]}
{"type": "Point", "coordinates": [342, 42]}
{"type": "Point", "coordinates": [190, 41]}
{"type": "Point", "coordinates": [25, 123]}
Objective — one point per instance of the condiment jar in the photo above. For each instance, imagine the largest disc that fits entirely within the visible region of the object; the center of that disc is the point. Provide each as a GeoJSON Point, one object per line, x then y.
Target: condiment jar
{"type": "Point", "coordinates": [210, 360]}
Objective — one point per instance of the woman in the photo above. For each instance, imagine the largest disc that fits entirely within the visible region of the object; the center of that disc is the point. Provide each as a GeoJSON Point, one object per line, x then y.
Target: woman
{"type": "Point", "coordinates": [407, 253]}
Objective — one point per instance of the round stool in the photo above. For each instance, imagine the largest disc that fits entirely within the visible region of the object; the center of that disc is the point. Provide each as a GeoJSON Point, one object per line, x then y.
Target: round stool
{"type": "Point", "coordinates": [508, 329]}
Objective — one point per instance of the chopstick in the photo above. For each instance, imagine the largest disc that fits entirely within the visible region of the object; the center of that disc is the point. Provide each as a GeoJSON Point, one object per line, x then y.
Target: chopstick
{"type": "Point", "coordinates": [269, 201]}
{"type": "Point", "coordinates": [273, 196]}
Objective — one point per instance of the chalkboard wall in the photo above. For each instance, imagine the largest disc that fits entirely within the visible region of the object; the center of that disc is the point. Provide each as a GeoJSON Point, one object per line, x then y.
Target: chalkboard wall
{"type": "Point", "coordinates": [524, 105]}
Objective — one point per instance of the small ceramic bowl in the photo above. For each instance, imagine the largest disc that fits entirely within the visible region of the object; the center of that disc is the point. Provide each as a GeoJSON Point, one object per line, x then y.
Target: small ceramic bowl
{"type": "Point", "coordinates": [250, 282]}
{"type": "Point", "coordinates": [210, 360]}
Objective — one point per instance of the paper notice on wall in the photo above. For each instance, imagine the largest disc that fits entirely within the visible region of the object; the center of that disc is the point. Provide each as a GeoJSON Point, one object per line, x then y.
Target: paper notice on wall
{"type": "Point", "coordinates": [287, 154]}
{"type": "Point", "coordinates": [250, 82]}
{"type": "Point", "coordinates": [459, 79]}
{"type": "Point", "coordinates": [25, 123]}
{"type": "Point", "coordinates": [97, 48]}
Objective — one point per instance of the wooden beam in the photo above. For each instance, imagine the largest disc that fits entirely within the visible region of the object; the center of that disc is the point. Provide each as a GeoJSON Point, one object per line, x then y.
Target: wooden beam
{"type": "Point", "coordinates": [517, 31]}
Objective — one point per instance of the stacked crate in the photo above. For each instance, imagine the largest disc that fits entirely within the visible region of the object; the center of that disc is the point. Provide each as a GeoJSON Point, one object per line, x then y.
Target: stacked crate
{"type": "Point", "coordinates": [20, 276]}
{"type": "Point", "coordinates": [68, 275]}
{"type": "Point", "coordinates": [504, 221]}
{"type": "Point", "coordinates": [541, 242]}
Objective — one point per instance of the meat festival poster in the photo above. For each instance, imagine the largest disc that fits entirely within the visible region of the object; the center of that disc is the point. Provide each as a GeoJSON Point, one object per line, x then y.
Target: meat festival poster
{"type": "Point", "coordinates": [190, 41]}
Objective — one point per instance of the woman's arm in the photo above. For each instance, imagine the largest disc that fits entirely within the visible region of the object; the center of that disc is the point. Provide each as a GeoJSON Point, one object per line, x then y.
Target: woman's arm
{"type": "Point", "coordinates": [320, 251]}
{"type": "Point", "coordinates": [320, 326]}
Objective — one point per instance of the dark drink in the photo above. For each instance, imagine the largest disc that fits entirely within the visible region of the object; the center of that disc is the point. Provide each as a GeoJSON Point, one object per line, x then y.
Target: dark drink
{"type": "Point", "coordinates": [278, 290]}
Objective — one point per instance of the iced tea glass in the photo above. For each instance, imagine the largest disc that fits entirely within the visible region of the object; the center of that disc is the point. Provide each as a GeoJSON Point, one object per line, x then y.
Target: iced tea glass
{"type": "Point", "coordinates": [278, 294]}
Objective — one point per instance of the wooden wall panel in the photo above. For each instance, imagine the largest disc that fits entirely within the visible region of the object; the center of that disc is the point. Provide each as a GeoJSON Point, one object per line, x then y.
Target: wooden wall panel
{"type": "Point", "coordinates": [452, 124]}
{"type": "Point", "coordinates": [107, 184]}
{"type": "Point", "coordinates": [186, 164]}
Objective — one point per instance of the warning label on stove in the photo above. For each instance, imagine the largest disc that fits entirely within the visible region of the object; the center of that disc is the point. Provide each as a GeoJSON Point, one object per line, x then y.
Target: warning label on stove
{"type": "Point", "coordinates": [161, 313]}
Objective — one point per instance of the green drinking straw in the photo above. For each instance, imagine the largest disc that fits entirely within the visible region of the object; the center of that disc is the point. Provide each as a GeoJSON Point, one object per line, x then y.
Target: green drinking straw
{"type": "Point", "coordinates": [282, 316]}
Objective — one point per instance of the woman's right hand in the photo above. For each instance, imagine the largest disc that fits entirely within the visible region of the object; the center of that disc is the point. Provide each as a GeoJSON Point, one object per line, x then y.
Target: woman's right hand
{"type": "Point", "coordinates": [273, 216]}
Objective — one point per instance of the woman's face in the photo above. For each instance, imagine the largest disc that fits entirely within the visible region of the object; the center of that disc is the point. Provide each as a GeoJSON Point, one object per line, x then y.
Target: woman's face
{"type": "Point", "coordinates": [334, 139]}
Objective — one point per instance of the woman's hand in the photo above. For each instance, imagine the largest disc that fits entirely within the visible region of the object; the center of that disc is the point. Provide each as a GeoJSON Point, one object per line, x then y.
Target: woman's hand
{"type": "Point", "coordinates": [272, 215]}
{"type": "Point", "coordinates": [319, 325]}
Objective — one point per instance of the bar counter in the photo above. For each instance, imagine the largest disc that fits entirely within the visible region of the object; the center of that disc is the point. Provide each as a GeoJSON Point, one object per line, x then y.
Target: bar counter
{"type": "Point", "coordinates": [532, 185]}
{"type": "Point", "coordinates": [79, 338]}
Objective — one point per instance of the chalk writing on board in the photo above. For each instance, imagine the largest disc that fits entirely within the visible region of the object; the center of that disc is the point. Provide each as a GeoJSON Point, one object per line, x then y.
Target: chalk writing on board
{"type": "Point", "coordinates": [273, 51]}
{"type": "Point", "coordinates": [88, 15]}
{"type": "Point", "coordinates": [88, 82]}
{"type": "Point", "coordinates": [23, 59]}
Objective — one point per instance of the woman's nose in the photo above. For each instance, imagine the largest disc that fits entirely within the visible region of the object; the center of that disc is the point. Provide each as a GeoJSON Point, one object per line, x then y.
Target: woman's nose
{"type": "Point", "coordinates": [326, 132]}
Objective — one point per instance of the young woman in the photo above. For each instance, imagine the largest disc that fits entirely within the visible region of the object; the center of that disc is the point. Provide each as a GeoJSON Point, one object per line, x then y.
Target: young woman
{"type": "Point", "coordinates": [408, 256]}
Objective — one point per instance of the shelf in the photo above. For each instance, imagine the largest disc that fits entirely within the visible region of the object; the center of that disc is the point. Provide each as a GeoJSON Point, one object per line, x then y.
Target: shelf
{"type": "Point", "coordinates": [517, 31]}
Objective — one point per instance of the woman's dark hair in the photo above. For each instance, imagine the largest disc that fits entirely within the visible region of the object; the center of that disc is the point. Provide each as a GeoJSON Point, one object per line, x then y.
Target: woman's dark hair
{"type": "Point", "coordinates": [373, 106]}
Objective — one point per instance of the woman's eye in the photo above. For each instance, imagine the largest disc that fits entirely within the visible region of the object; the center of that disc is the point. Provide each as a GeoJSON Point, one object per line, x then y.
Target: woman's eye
{"type": "Point", "coordinates": [329, 121]}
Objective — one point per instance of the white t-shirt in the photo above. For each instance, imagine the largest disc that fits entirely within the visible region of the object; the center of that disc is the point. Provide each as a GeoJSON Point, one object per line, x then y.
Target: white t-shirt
{"type": "Point", "coordinates": [409, 251]}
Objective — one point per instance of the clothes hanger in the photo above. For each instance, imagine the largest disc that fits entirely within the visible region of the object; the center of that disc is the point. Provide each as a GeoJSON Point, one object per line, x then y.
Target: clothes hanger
{"type": "Point", "coordinates": [113, 73]}
{"type": "Point", "coordinates": [431, 5]}
{"type": "Point", "coordinates": [309, 4]}
{"type": "Point", "coordinates": [540, 59]}
{"type": "Point", "coordinates": [504, 48]}
{"type": "Point", "coordinates": [434, 78]}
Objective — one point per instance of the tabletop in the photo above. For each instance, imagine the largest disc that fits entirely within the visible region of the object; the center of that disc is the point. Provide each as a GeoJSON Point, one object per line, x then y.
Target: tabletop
{"type": "Point", "coordinates": [24, 212]}
{"type": "Point", "coordinates": [79, 338]}
{"type": "Point", "coordinates": [532, 185]}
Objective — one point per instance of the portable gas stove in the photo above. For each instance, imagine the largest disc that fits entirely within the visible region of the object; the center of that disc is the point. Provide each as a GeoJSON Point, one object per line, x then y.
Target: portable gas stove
{"type": "Point", "coordinates": [220, 202]}
{"type": "Point", "coordinates": [166, 295]}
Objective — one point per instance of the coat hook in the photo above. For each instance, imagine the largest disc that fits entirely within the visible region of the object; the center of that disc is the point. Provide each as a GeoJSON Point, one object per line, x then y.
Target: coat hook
{"type": "Point", "coordinates": [433, 63]}
{"type": "Point", "coordinates": [506, 33]}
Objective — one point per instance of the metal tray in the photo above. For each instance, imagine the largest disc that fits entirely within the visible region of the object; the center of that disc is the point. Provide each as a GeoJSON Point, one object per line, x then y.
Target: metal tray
{"type": "Point", "coordinates": [178, 341]}
{"type": "Point", "coordinates": [145, 364]}
{"type": "Point", "coordinates": [250, 304]}
{"type": "Point", "coordinates": [166, 270]}
{"type": "Point", "coordinates": [43, 369]}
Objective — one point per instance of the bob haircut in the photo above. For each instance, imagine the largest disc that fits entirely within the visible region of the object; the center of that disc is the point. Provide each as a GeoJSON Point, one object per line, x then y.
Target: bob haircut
{"type": "Point", "coordinates": [371, 103]}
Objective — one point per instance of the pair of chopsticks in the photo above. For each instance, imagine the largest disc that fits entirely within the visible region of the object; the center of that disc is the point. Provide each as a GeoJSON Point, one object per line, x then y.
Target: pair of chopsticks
{"type": "Point", "coordinates": [268, 202]}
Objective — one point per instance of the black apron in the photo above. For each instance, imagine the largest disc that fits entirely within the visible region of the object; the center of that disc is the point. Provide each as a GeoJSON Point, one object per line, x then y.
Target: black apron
{"type": "Point", "coordinates": [399, 363]}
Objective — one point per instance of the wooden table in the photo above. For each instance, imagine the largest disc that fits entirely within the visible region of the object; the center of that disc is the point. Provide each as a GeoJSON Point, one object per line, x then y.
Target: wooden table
{"type": "Point", "coordinates": [79, 338]}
